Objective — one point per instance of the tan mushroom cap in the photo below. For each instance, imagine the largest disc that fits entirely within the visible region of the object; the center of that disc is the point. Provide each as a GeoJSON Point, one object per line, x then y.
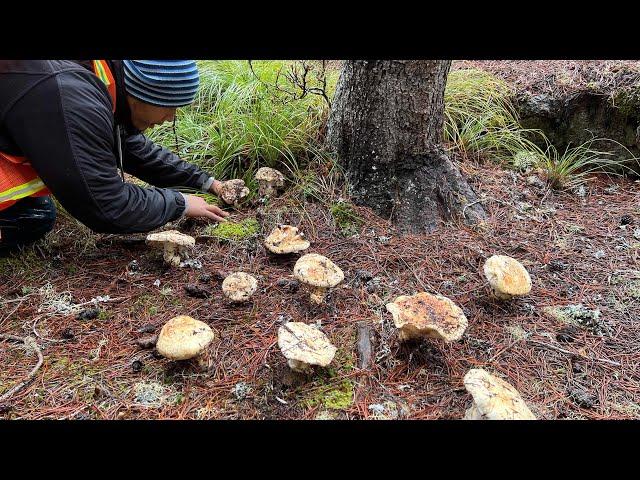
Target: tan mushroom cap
{"type": "Point", "coordinates": [239, 286]}
{"type": "Point", "coordinates": [270, 175]}
{"type": "Point", "coordinates": [286, 239]}
{"type": "Point", "coordinates": [233, 191]}
{"type": "Point", "coordinates": [494, 399]}
{"type": "Point", "coordinates": [425, 315]}
{"type": "Point", "coordinates": [507, 276]}
{"type": "Point", "coordinates": [317, 271]}
{"type": "Point", "coordinates": [304, 345]}
{"type": "Point", "coordinates": [183, 337]}
{"type": "Point", "coordinates": [173, 242]}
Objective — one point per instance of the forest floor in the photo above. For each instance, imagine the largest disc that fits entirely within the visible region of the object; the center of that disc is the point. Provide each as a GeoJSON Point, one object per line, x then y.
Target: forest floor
{"type": "Point", "coordinates": [560, 76]}
{"type": "Point", "coordinates": [579, 250]}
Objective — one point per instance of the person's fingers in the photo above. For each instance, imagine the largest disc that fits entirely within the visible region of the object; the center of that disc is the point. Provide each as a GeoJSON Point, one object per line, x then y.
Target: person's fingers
{"type": "Point", "coordinates": [214, 217]}
{"type": "Point", "coordinates": [217, 210]}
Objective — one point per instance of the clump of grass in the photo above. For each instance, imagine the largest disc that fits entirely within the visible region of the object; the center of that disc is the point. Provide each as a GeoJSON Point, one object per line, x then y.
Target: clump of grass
{"type": "Point", "coordinates": [243, 118]}
{"type": "Point", "coordinates": [480, 118]}
{"type": "Point", "coordinates": [574, 166]}
{"type": "Point", "coordinates": [346, 219]}
{"type": "Point", "coordinates": [233, 231]}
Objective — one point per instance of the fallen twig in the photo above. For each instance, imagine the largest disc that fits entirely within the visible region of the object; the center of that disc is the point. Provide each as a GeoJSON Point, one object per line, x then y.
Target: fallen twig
{"type": "Point", "coordinates": [28, 341]}
{"type": "Point", "coordinates": [568, 352]}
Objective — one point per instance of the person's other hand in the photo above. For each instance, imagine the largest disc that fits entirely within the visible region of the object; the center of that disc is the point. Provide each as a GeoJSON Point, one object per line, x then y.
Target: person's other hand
{"type": "Point", "coordinates": [198, 207]}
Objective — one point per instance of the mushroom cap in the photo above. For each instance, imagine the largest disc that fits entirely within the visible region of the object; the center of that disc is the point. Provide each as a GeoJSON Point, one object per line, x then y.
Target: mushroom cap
{"type": "Point", "coordinates": [239, 286]}
{"type": "Point", "coordinates": [317, 271]}
{"type": "Point", "coordinates": [183, 337]}
{"type": "Point", "coordinates": [494, 399]}
{"type": "Point", "coordinates": [233, 191]}
{"type": "Point", "coordinates": [171, 237]}
{"type": "Point", "coordinates": [507, 276]}
{"type": "Point", "coordinates": [270, 175]}
{"type": "Point", "coordinates": [303, 343]}
{"type": "Point", "coordinates": [286, 239]}
{"type": "Point", "coordinates": [426, 315]}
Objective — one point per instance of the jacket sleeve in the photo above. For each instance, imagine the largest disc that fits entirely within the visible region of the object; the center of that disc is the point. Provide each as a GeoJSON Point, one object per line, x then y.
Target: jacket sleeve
{"type": "Point", "coordinates": [64, 126]}
{"type": "Point", "coordinates": [158, 166]}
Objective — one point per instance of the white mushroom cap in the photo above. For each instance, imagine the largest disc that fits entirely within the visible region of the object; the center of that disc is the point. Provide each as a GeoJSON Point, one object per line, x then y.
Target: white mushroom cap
{"type": "Point", "coordinates": [317, 271]}
{"type": "Point", "coordinates": [304, 345]}
{"type": "Point", "coordinates": [507, 276]}
{"type": "Point", "coordinates": [233, 191]}
{"type": "Point", "coordinates": [183, 337]}
{"type": "Point", "coordinates": [494, 399]}
{"type": "Point", "coordinates": [425, 315]}
{"type": "Point", "coordinates": [239, 286]}
{"type": "Point", "coordinates": [173, 242]}
{"type": "Point", "coordinates": [286, 239]}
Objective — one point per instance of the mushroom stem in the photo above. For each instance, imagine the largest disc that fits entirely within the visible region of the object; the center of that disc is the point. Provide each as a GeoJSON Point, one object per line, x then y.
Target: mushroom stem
{"type": "Point", "coordinates": [266, 189]}
{"type": "Point", "coordinates": [170, 255]}
{"type": "Point", "coordinates": [298, 366]}
{"type": "Point", "coordinates": [317, 294]}
{"type": "Point", "coordinates": [202, 361]}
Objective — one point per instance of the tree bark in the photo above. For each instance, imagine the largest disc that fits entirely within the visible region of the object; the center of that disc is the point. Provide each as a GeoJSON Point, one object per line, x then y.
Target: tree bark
{"type": "Point", "coordinates": [386, 128]}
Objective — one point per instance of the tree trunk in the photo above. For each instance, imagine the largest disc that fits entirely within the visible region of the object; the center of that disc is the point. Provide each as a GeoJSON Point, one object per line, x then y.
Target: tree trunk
{"type": "Point", "coordinates": [386, 127]}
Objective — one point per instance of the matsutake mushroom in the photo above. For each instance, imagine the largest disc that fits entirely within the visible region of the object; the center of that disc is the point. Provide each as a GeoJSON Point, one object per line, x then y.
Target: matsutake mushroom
{"type": "Point", "coordinates": [319, 274]}
{"type": "Point", "coordinates": [507, 277]}
{"type": "Point", "coordinates": [493, 398]}
{"type": "Point", "coordinates": [184, 338]}
{"type": "Point", "coordinates": [424, 315]}
{"type": "Point", "coordinates": [286, 239]}
{"type": "Point", "coordinates": [174, 244]}
{"type": "Point", "coordinates": [233, 191]}
{"type": "Point", "coordinates": [239, 286]}
{"type": "Point", "coordinates": [269, 181]}
{"type": "Point", "coordinates": [304, 346]}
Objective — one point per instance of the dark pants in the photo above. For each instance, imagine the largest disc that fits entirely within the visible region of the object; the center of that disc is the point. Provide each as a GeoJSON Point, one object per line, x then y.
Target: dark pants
{"type": "Point", "coordinates": [26, 221]}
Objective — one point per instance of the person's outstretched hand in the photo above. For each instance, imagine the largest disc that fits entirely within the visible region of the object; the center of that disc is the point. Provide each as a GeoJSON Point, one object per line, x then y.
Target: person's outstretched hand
{"type": "Point", "coordinates": [198, 207]}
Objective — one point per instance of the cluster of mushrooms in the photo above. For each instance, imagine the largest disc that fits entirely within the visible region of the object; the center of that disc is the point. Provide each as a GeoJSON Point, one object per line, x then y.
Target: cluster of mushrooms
{"type": "Point", "coordinates": [416, 317]}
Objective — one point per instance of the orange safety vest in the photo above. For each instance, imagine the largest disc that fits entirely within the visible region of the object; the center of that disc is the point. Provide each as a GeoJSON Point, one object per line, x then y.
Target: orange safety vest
{"type": "Point", "coordinates": [18, 179]}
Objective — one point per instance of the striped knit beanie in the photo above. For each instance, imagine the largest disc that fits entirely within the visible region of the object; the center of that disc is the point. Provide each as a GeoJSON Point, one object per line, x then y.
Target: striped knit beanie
{"type": "Point", "coordinates": [164, 83]}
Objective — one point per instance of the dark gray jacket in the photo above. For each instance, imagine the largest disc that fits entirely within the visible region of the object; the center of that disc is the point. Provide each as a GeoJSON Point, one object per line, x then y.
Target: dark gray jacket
{"type": "Point", "coordinates": [58, 114]}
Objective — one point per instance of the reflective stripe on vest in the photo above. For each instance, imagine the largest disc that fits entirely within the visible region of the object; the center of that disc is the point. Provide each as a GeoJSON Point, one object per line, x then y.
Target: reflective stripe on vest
{"type": "Point", "coordinates": [17, 178]}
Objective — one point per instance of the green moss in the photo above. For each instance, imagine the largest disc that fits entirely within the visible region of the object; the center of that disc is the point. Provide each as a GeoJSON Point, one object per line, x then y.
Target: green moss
{"type": "Point", "coordinates": [334, 398]}
{"type": "Point", "coordinates": [346, 219]}
{"type": "Point", "coordinates": [233, 231]}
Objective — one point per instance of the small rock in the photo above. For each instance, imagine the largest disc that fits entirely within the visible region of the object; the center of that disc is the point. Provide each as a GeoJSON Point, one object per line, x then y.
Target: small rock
{"type": "Point", "coordinates": [133, 266]}
{"type": "Point", "coordinates": [136, 366]}
{"type": "Point", "coordinates": [148, 328]}
{"type": "Point", "coordinates": [566, 334]}
{"type": "Point", "coordinates": [147, 342]}
{"type": "Point", "coordinates": [363, 275]}
{"type": "Point", "coordinates": [241, 390]}
{"type": "Point", "coordinates": [205, 278]}
{"type": "Point", "coordinates": [191, 263]}
{"type": "Point", "coordinates": [626, 220]}
{"type": "Point", "coordinates": [288, 285]}
{"type": "Point", "coordinates": [196, 291]}
{"type": "Point", "coordinates": [67, 334]}
{"type": "Point", "coordinates": [582, 398]}
{"type": "Point", "coordinates": [88, 314]}
{"type": "Point", "coordinates": [557, 266]}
